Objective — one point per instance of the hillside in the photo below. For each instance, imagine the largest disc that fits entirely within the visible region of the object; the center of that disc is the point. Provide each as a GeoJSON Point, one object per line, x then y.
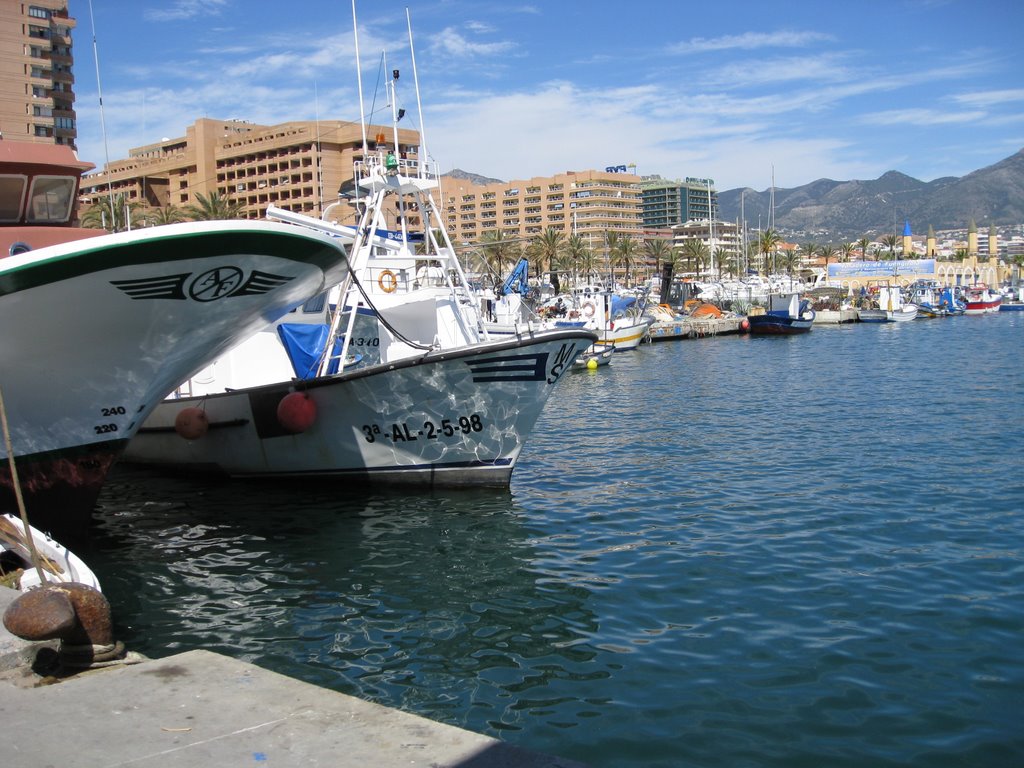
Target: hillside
{"type": "Point", "coordinates": [852, 209]}
{"type": "Point", "coordinates": [473, 178]}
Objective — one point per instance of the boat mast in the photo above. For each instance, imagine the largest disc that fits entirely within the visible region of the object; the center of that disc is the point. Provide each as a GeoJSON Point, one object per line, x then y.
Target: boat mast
{"type": "Point", "coordinates": [711, 230]}
{"type": "Point", "coordinates": [422, 151]}
{"type": "Point", "coordinates": [743, 237]}
{"type": "Point", "coordinates": [359, 78]}
{"type": "Point", "coordinates": [771, 220]}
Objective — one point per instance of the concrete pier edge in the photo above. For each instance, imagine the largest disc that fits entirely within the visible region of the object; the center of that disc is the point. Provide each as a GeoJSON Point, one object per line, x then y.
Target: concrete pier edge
{"type": "Point", "coordinates": [198, 709]}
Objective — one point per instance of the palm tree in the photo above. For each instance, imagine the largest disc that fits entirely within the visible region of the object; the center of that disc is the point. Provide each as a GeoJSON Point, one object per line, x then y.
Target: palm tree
{"type": "Point", "coordinates": [589, 263]}
{"type": "Point", "coordinates": [213, 206]}
{"type": "Point", "coordinates": [863, 243]}
{"type": "Point", "coordinates": [696, 252]}
{"type": "Point", "coordinates": [611, 244]}
{"type": "Point", "coordinates": [660, 252]}
{"type": "Point", "coordinates": [809, 249]}
{"type": "Point", "coordinates": [169, 214]}
{"type": "Point", "coordinates": [790, 258]}
{"type": "Point", "coordinates": [722, 256]}
{"type": "Point", "coordinates": [827, 252]}
{"type": "Point", "coordinates": [625, 255]}
{"type": "Point", "coordinates": [110, 213]}
{"type": "Point", "coordinates": [891, 241]}
{"type": "Point", "coordinates": [547, 248]}
{"type": "Point", "coordinates": [768, 243]}
{"type": "Point", "coordinates": [734, 263]}
{"type": "Point", "coordinates": [845, 252]}
{"type": "Point", "coordinates": [578, 255]}
{"type": "Point", "coordinates": [495, 248]}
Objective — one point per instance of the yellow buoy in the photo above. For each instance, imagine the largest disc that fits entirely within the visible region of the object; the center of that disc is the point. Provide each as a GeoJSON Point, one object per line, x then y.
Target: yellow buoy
{"type": "Point", "coordinates": [592, 364]}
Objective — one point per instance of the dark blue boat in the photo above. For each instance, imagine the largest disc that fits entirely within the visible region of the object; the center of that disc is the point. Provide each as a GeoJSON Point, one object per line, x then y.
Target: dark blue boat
{"type": "Point", "coordinates": [797, 317]}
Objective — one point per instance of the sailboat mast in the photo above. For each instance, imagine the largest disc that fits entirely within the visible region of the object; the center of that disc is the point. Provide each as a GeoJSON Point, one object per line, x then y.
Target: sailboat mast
{"type": "Point", "coordinates": [743, 236]}
{"type": "Point", "coordinates": [711, 229]}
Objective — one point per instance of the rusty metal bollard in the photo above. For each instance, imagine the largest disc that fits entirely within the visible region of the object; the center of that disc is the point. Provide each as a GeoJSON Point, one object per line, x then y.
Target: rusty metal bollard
{"type": "Point", "coordinates": [75, 614]}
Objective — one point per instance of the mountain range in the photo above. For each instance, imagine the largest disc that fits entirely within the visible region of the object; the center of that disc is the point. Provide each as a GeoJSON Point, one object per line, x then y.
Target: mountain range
{"type": "Point", "coordinates": [828, 210]}
{"type": "Point", "coordinates": [849, 210]}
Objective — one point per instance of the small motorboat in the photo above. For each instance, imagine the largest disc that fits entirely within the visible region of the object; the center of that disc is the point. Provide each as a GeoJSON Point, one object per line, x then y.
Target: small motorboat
{"type": "Point", "coordinates": [593, 357]}
{"type": "Point", "coordinates": [58, 563]}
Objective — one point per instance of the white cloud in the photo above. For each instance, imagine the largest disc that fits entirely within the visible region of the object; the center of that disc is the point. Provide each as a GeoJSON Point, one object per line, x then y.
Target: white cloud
{"type": "Point", "coordinates": [819, 68]}
{"type": "Point", "coordinates": [990, 98]}
{"type": "Point", "coordinates": [450, 42]}
{"type": "Point", "coordinates": [750, 41]}
{"type": "Point", "coordinates": [921, 116]}
{"type": "Point", "coordinates": [181, 10]}
{"type": "Point", "coordinates": [560, 127]}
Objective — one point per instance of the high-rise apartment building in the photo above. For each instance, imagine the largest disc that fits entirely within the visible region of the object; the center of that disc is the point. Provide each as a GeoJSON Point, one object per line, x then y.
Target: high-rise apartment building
{"type": "Point", "coordinates": [301, 166]}
{"type": "Point", "coordinates": [37, 97]}
{"type": "Point", "coordinates": [585, 203]}
{"type": "Point", "coordinates": [668, 203]}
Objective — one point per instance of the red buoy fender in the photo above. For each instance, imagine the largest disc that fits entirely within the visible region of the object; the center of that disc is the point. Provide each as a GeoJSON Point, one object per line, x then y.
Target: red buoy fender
{"type": "Point", "coordinates": [296, 412]}
{"type": "Point", "coordinates": [191, 423]}
{"type": "Point", "coordinates": [744, 324]}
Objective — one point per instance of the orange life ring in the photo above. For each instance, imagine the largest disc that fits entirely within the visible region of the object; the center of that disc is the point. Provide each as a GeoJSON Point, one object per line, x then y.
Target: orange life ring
{"type": "Point", "coordinates": [588, 308]}
{"type": "Point", "coordinates": [392, 281]}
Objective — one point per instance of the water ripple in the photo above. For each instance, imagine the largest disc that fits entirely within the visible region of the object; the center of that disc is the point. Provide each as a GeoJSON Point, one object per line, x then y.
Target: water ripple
{"type": "Point", "coordinates": [734, 552]}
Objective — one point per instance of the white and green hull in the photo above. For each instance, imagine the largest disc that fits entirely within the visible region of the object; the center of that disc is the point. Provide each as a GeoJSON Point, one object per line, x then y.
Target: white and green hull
{"type": "Point", "coordinates": [98, 331]}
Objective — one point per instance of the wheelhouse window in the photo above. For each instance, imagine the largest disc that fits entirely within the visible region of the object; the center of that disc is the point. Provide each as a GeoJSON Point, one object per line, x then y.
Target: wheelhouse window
{"type": "Point", "coordinates": [50, 199]}
{"type": "Point", "coordinates": [12, 194]}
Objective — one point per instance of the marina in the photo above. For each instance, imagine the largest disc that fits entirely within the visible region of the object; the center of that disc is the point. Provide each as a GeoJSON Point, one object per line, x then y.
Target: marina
{"type": "Point", "coordinates": [741, 550]}
{"type": "Point", "coordinates": [357, 494]}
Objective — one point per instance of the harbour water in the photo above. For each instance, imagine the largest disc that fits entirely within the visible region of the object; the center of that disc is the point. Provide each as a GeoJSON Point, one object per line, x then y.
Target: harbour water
{"type": "Point", "coordinates": [733, 551]}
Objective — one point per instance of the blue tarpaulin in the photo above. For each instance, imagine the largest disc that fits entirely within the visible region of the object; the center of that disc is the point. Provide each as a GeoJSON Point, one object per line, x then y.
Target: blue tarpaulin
{"type": "Point", "coordinates": [621, 303]}
{"type": "Point", "coordinates": [304, 343]}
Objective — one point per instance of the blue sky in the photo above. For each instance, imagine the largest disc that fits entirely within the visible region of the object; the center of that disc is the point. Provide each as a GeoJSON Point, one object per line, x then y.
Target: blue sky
{"type": "Point", "coordinates": [726, 90]}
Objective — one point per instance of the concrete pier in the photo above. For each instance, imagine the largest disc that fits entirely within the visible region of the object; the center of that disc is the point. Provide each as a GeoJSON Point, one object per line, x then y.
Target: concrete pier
{"type": "Point", "coordinates": [200, 709]}
{"type": "Point", "coordinates": [695, 328]}
{"type": "Point", "coordinates": [835, 316]}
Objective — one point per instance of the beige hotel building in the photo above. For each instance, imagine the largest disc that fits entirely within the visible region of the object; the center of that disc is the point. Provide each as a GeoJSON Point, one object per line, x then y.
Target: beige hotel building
{"type": "Point", "coordinates": [301, 166]}
{"type": "Point", "coordinates": [586, 203]}
{"type": "Point", "coordinates": [37, 97]}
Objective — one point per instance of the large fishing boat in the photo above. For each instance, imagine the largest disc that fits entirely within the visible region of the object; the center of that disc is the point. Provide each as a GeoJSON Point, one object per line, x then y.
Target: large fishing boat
{"type": "Point", "coordinates": [99, 327]}
{"type": "Point", "coordinates": [392, 378]}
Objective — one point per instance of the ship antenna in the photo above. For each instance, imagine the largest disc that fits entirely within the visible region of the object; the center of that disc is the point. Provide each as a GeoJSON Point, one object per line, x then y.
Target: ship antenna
{"type": "Point", "coordinates": [103, 124]}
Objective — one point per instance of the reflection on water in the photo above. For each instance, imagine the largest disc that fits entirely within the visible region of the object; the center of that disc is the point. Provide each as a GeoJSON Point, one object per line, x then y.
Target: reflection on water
{"type": "Point", "coordinates": [396, 598]}
{"type": "Point", "coordinates": [720, 552]}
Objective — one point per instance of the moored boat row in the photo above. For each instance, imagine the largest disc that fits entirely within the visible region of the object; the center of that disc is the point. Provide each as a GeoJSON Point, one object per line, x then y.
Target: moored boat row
{"type": "Point", "coordinates": [376, 365]}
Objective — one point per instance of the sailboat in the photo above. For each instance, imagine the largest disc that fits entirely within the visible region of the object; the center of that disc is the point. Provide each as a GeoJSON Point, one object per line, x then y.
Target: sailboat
{"type": "Point", "coordinates": [890, 307]}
